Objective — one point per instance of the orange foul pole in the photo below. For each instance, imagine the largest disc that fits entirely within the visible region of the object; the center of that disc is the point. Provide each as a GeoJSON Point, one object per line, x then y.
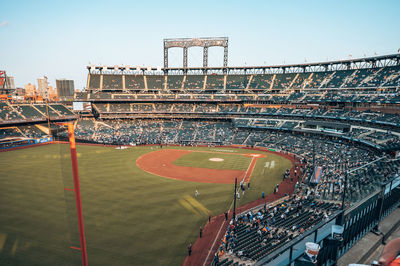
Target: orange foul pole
{"type": "Point", "coordinates": [77, 192]}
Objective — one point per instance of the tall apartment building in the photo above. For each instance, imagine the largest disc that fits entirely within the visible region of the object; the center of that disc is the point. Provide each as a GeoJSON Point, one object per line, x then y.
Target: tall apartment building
{"type": "Point", "coordinates": [43, 87]}
{"type": "Point", "coordinates": [65, 89]}
{"type": "Point", "coordinates": [10, 83]}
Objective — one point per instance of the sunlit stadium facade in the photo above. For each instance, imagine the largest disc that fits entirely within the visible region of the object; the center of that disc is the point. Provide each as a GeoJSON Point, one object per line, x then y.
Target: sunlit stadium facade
{"type": "Point", "coordinates": [339, 115]}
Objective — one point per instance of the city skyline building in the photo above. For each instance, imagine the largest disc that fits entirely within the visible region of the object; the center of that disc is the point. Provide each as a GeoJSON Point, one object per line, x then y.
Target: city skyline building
{"type": "Point", "coordinates": [65, 89]}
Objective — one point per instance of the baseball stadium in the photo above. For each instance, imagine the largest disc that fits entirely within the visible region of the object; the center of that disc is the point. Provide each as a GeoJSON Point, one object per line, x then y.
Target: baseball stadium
{"type": "Point", "coordinates": [261, 159]}
{"type": "Point", "coordinates": [289, 164]}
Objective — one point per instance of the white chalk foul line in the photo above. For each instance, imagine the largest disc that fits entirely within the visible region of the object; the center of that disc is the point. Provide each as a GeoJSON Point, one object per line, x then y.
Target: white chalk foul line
{"type": "Point", "coordinates": [212, 247]}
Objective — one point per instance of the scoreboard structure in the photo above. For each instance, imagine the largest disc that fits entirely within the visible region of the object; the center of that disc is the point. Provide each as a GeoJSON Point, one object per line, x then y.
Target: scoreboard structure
{"type": "Point", "coordinates": [204, 42]}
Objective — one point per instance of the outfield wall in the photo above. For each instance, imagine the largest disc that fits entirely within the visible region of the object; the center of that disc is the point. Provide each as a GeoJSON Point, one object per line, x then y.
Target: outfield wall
{"type": "Point", "coordinates": [22, 144]}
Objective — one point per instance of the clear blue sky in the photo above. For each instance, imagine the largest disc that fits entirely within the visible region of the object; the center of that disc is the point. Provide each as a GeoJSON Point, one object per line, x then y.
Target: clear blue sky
{"type": "Point", "coordinates": [60, 38]}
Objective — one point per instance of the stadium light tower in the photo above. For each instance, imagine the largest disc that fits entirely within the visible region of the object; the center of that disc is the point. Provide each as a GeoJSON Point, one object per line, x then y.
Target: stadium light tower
{"type": "Point", "coordinates": [186, 43]}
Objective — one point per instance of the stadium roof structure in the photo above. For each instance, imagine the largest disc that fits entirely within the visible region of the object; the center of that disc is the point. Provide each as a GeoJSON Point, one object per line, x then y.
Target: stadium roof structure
{"type": "Point", "coordinates": [204, 42]}
{"type": "Point", "coordinates": [346, 64]}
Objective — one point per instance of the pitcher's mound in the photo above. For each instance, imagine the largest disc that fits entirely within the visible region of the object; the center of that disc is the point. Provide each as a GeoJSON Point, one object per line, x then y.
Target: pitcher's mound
{"type": "Point", "coordinates": [216, 159]}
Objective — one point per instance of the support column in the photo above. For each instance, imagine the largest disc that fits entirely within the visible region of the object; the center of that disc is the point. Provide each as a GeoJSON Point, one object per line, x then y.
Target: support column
{"type": "Point", "coordinates": [88, 81]}
{"type": "Point", "coordinates": [101, 81]}
{"type": "Point", "coordinates": [165, 57]}
{"type": "Point", "coordinates": [225, 56]}
{"type": "Point", "coordinates": [205, 56]}
{"type": "Point", "coordinates": [185, 57]}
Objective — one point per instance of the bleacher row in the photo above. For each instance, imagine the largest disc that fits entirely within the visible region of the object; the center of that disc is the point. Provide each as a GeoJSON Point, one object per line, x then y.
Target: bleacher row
{"type": "Point", "coordinates": [10, 112]}
{"type": "Point", "coordinates": [241, 109]}
{"type": "Point", "coordinates": [260, 232]}
{"type": "Point", "coordinates": [342, 96]}
{"type": "Point", "coordinates": [388, 76]}
{"type": "Point", "coordinates": [27, 131]}
{"type": "Point", "coordinates": [263, 230]}
{"type": "Point", "coordinates": [382, 138]}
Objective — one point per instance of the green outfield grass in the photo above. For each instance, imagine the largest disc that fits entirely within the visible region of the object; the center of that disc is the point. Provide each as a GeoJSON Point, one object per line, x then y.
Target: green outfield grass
{"type": "Point", "coordinates": [131, 217]}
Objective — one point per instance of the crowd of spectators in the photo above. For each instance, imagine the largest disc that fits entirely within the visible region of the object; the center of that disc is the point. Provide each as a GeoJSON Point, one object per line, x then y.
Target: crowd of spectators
{"type": "Point", "coordinates": [12, 112]}
{"type": "Point", "coordinates": [258, 232]}
{"type": "Point", "coordinates": [289, 112]}
{"type": "Point", "coordinates": [388, 76]}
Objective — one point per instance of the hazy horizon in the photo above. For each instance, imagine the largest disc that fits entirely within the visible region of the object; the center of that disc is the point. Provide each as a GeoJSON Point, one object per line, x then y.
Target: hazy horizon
{"type": "Point", "coordinates": [59, 39]}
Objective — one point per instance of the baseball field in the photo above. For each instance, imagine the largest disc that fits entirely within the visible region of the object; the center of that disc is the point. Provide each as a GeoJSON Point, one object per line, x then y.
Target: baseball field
{"type": "Point", "coordinates": [139, 203]}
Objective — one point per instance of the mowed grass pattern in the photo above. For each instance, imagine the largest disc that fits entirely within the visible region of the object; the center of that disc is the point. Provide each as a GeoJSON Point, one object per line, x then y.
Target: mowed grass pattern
{"type": "Point", "coordinates": [131, 217]}
{"type": "Point", "coordinates": [202, 160]}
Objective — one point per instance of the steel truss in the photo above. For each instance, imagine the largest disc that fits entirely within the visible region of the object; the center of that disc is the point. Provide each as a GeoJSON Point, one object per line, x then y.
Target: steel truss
{"type": "Point", "coordinates": [349, 64]}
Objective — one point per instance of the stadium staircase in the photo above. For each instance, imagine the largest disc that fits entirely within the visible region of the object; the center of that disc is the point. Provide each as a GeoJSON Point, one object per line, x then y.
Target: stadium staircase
{"type": "Point", "coordinates": [349, 78]}
{"type": "Point", "coordinates": [20, 131]}
{"type": "Point", "coordinates": [96, 108]}
{"type": "Point", "coordinates": [165, 84]}
{"type": "Point", "coordinates": [37, 109]}
{"type": "Point", "coordinates": [103, 124]}
{"type": "Point", "coordinates": [370, 77]}
{"type": "Point", "coordinates": [205, 82]}
{"type": "Point", "coordinates": [183, 84]}
{"type": "Point", "coordinates": [364, 134]}
{"type": "Point", "coordinates": [214, 133]}
{"type": "Point", "coordinates": [327, 80]}
{"type": "Point", "coordinates": [56, 111]}
{"type": "Point", "coordinates": [43, 129]}
{"type": "Point", "coordinates": [272, 82]}
{"type": "Point", "coordinates": [145, 83]}
{"type": "Point", "coordinates": [123, 83]}
{"type": "Point", "coordinates": [248, 83]}
{"type": "Point", "coordinates": [390, 78]}
{"type": "Point", "coordinates": [247, 138]}
{"type": "Point", "coordinates": [280, 123]}
{"type": "Point", "coordinates": [307, 81]}
{"type": "Point", "coordinates": [224, 89]}
{"type": "Point", "coordinates": [94, 131]}
{"type": "Point", "coordinates": [302, 97]}
{"type": "Point", "coordinates": [177, 132]}
{"type": "Point", "coordinates": [196, 130]}
{"type": "Point", "coordinates": [292, 82]}
{"type": "Point", "coordinates": [16, 111]}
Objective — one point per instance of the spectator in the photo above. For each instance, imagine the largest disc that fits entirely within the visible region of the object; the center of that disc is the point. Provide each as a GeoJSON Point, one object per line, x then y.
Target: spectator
{"type": "Point", "coordinates": [390, 254]}
{"type": "Point", "coordinates": [189, 249]}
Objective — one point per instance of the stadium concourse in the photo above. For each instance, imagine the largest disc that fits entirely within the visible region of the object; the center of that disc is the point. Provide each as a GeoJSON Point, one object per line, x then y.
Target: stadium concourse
{"type": "Point", "coordinates": [340, 120]}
